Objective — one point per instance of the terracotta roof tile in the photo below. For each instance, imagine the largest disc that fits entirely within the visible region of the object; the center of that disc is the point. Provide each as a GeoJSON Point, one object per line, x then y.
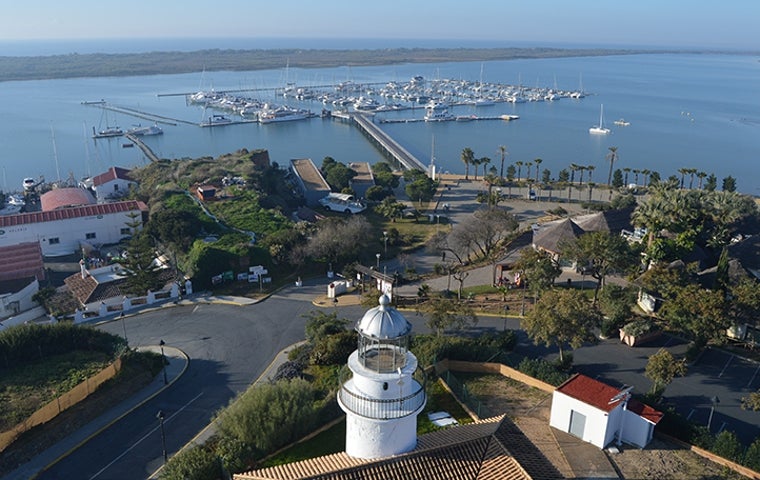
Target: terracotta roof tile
{"type": "Point", "coordinates": [65, 197]}
{"type": "Point", "coordinates": [69, 213]}
{"type": "Point", "coordinates": [598, 394]}
{"type": "Point", "coordinates": [112, 174]}
{"type": "Point", "coordinates": [21, 261]}
{"type": "Point", "coordinates": [466, 452]}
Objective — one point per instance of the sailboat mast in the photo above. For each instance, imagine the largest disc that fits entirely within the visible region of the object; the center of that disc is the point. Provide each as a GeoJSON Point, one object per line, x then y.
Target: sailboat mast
{"type": "Point", "coordinates": [55, 154]}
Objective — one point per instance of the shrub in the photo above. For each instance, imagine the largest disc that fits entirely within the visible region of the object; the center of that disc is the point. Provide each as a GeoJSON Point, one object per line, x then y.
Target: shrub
{"type": "Point", "coordinates": [542, 370]}
{"type": "Point", "coordinates": [288, 371]}
{"type": "Point", "coordinates": [752, 456]}
{"type": "Point", "coordinates": [196, 463]}
{"type": "Point", "coordinates": [334, 349]}
{"type": "Point", "coordinates": [638, 327]}
{"type": "Point", "coordinates": [727, 446]}
{"type": "Point", "coordinates": [270, 415]}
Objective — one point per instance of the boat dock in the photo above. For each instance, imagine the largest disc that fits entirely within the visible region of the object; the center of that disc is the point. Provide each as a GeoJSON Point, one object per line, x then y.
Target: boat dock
{"type": "Point", "coordinates": [138, 113]}
{"type": "Point", "coordinates": [465, 118]}
{"type": "Point", "coordinates": [385, 143]}
{"type": "Point", "coordinates": [142, 146]}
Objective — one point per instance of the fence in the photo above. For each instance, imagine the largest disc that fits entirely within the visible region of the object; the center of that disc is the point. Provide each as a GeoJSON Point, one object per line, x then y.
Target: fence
{"type": "Point", "coordinates": [59, 404]}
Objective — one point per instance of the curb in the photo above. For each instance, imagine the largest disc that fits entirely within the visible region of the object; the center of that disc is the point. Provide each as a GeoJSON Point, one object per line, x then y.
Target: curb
{"type": "Point", "coordinates": [113, 421]}
{"type": "Point", "coordinates": [192, 441]}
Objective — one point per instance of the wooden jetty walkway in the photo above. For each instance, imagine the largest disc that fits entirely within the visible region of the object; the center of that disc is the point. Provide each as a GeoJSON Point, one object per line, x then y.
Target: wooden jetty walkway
{"type": "Point", "coordinates": [385, 143]}
{"type": "Point", "coordinates": [142, 146]}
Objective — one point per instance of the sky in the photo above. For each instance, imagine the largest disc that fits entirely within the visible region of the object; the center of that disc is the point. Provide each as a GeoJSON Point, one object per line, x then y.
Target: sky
{"type": "Point", "coordinates": [730, 24]}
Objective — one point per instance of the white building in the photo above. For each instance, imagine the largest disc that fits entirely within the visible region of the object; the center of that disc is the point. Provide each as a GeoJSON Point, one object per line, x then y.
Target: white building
{"type": "Point", "coordinates": [113, 184]}
{"type": "Point", "coordinates": [600, 414]}
{"type": "Point", "coordinates": [63, 231]}
{"type": "Point", "coordinates": [382, 399]}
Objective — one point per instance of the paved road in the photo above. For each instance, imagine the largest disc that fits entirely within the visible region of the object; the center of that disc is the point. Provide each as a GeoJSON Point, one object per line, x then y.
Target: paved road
{"type": "Point", "coordinates": [228, 347]}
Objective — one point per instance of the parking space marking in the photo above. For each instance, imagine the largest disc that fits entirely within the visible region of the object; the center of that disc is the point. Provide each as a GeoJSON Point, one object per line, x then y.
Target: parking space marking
{"type": "Point", "coordinates": [722, 427]}
{"type": "Point", "coordinates": [726, 366]}
{"type": "Point", "coordinates": [753, 377]}
{"type": "Point", "coordinates": [688, 417]}
{"type": "Point", "coordinates": [668, 342]}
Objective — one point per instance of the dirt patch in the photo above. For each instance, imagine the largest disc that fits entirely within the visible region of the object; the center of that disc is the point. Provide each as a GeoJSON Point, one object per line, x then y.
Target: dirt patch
{"type": "Point", "coordinates": [44, 436]}
{"type": "Point", "coordinates": [530, 409]}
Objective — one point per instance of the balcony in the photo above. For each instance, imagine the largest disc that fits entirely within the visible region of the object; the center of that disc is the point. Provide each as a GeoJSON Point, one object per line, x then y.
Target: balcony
{"type": "Point", "coordinates": [383, 409]}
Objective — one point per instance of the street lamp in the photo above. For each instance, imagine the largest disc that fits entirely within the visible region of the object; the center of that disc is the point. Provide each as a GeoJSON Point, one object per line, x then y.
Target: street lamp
{"type": "Point", "coordinates": [160, 417]}
{"type": "Point", "coordinates": [385, 242]}
{"type": "Point", "coordinates": [715, 401]}
{"type": "Point", "coordinates": [163, 360]}
{"type": "Point", "coordinates": [377, 255]}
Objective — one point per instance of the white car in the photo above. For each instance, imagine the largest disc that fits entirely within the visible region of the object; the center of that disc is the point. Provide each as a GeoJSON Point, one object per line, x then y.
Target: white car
{"type": "Point", "coordinates": [342, 202]}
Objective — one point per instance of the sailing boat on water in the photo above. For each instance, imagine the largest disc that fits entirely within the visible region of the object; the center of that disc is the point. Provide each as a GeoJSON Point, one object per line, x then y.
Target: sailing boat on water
{"type": "Point", "coordinates": [599, 129]}
{"type": "Point", "coordinates": [107, 130]}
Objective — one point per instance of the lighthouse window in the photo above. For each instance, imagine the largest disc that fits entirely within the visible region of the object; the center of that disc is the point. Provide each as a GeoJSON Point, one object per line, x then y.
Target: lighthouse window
{"type": "Point", "coordinates": [385, 385]}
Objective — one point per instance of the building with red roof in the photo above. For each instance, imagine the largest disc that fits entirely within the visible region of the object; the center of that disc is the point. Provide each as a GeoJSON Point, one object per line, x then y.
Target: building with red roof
{"type": "Point", "coordinates": [599, 413]}
{"type": "Point", "coordinates": [64, 231]}
{"type": "Point", "coordinates": [113, 184]}
{"type": "Point", "coordinates": [65, 197]}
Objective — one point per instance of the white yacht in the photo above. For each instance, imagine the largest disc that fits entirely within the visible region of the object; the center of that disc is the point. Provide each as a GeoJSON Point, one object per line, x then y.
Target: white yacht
{"type": "Point", "coordinates": [599, 129]}
{"type": "Point", "coordinates": [281, 114]}
{"type": "Point", "coordinates": [622, 122]}
{"type": "Point", "coordinates": [437, 112]}
{"type": "Point", "coordinates": [140, 131]}
{"type": "Point", "coordinates": [216, 120]}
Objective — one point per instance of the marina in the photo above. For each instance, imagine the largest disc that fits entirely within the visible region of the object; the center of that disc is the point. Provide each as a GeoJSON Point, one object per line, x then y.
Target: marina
{"type": "Point", "coordinates": [659, 137]}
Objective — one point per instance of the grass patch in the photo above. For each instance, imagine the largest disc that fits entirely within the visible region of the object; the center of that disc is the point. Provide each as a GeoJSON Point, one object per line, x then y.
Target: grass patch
{"type": "Point", "coordinates": [28, 387]}
{"type": "Point", "coordinates": [440, 400]}
{"type": "Point", "coordinates": [332, 440]}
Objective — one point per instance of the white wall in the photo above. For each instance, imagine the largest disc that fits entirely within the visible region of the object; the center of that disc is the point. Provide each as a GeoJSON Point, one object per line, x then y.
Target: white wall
{"type": "Point", "coordinates": [595, 431]}
{"type": "Point", "coordinates": [23, 297]}
{"type": "Point", "coordinates": [69, 232]}
{"type": "Point", "coordinates": [637, 430]}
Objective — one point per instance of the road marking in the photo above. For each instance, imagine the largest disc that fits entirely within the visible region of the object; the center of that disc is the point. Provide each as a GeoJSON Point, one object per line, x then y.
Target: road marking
{"type": "Point", "coordinates": [144, 437]}
{"type": "Point", "coordinates": [726, 366]}
{"type": "Point", "coordinates": [722, 427]}
{"type": "Point", "coordinates": [753, 377]}
{"type": "Point", "coordinates": [196, 308]}
{"type": "Point", "coordinates": [668, 342]}
{"type": "Point", "coordinates": [688, 417]}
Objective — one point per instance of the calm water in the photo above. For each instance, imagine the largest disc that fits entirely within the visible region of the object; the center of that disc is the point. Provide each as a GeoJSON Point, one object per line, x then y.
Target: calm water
{"type": "Point", "coordinates": [693, 111]}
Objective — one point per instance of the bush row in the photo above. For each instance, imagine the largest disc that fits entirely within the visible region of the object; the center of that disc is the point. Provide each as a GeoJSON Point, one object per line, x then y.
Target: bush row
{"type": "Point", "coordinates": [33, 342]}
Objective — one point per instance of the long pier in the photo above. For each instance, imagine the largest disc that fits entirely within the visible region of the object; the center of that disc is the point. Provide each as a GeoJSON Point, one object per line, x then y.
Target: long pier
{"type": "Point", "coordinates": [142, 146]}
{"type": "Point", "coordinates": [385, 143]}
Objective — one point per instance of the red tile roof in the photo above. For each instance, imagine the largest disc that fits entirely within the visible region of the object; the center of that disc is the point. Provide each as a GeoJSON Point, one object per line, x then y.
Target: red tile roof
{"type": "Point", "coordinates": [598, 394]}
{"type": "Point", "coordinates": [112, 174]}
{"type": "Point", "coordinates": [69, 213]}
{"type": "Point", "coordinates": [65, 197]}
{"type": "Point", "coordinates": [21, 261]}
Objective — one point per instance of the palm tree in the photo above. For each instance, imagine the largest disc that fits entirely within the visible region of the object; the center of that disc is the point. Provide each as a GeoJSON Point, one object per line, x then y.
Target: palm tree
{"type": "Point", "coordinates": [612, 157]}
{"type": "Point", "coordinates": [484, 161]}
{"type": "Point", "coordinates": [582, 169]}
{"type": "Point", "coordinates": [590, 169]}
{"type": "Point", "coordinates": [683, 172]}
{"type": "Point", "coordinates": [591, 186]}
{"type": "Point", "coordinates": [646, 173]}
{"type": "Point", "coordinates": [701, 176]}
{"type": "Point", "coordinates": [467, 157]}
{"type": "Point", "coordinates": [528, 164]}
{"type": "Point", "coordinates": [519, 169]}
{"type": "Point", "coordinates": [537, 162]}
{"type": "Point", "coordinates": [504, 153]}
{"type": "Point", "coordinates": [692, 171]}
{"type": "Point", "coordinates": [476, 162]}
{"type": "Point", "coordinates": [636, 172]}
{"type": "Point", "coordinates": [627, 170]}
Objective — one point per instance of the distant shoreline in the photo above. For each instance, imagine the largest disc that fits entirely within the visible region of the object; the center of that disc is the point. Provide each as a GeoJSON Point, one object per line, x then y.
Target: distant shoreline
{"type": "Point", "coordinates": [76, 65]}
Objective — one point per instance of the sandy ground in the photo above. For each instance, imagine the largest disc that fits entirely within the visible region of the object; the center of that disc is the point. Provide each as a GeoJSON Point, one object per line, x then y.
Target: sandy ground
{"type": "Point", "coordinates": [529, 408]}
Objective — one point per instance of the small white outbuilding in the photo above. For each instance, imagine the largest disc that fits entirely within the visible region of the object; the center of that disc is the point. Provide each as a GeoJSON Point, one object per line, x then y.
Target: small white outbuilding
{"type": "Point", "coordinates": [599, 413]}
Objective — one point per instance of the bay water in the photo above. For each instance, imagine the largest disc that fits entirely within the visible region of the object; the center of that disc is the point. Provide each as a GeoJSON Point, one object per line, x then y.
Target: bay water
{"type": "Point", "coordinates": [697, 111]}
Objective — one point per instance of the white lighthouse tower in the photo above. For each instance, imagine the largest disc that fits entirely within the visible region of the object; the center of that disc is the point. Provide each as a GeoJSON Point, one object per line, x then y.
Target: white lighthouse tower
{"type": "Point", "coordinates": [382, 400]}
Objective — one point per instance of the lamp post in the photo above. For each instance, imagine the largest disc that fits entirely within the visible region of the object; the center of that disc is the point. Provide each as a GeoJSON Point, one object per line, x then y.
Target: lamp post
{"type": "Point", "coordinates": [163, 360]}
{"type": "Point", "coordinates": [377, 265]}
{"type": "Point", "coordinates": [385, 242]}
{"type": "Point", "coordinates": [715, 401]}
{"type": "Point", "coordinates": [160, 417]}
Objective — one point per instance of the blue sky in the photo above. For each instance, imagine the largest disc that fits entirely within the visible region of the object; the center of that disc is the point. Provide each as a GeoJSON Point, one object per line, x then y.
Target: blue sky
{"type": "Point", "coordinates": [677, 23]}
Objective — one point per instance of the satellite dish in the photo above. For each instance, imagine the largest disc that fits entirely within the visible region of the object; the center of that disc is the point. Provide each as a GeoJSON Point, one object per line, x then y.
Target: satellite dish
{"type": "Point", "coordinates": [624, 394]}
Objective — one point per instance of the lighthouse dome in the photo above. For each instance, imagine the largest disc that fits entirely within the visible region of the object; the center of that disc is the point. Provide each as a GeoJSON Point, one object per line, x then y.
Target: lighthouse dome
{"type": "Point", "coordinates": [383, 322]}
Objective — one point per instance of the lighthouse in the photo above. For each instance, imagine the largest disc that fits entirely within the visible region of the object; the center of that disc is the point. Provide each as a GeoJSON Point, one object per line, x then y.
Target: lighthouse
{"type": "Point", "coordinates": [381, 399]}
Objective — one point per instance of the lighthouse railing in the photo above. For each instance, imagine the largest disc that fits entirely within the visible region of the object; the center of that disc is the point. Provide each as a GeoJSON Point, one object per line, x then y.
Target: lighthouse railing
{"type": "Point", "coordinates": [384, 409]}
